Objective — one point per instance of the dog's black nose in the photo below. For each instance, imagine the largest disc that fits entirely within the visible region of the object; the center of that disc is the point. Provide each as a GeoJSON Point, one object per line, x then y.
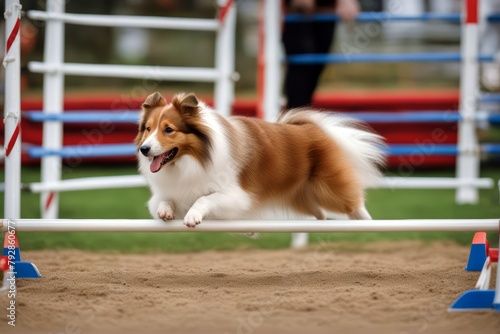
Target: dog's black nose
{"type": "Point", "coordinates": [145, 149]}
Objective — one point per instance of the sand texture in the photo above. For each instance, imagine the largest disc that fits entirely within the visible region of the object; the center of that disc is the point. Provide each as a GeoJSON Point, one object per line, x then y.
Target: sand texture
{"type": "Point", "coordinates": [389, 287]}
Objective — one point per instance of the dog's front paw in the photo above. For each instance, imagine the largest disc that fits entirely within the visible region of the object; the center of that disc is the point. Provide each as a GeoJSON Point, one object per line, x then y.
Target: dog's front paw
{"type": "Point", "coordinates": [165, 211]}
{"type": "Point", "coordinates": [192, 218]}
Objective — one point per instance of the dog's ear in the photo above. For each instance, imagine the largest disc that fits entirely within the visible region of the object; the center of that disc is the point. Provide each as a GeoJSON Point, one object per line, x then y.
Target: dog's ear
{"type": "Point", "coordinates": [154, 100]}
{"type": "Point", "coordinates": [187, 104]}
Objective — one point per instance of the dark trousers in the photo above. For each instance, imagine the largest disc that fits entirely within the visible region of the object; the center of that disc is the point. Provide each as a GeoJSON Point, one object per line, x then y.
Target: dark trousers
{"type": "Point", "coordinates": [301, 38]}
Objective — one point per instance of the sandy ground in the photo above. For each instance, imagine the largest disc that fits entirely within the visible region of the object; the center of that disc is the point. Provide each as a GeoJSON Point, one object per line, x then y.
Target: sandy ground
{"type": "Point", "coordinates": [398, 287]}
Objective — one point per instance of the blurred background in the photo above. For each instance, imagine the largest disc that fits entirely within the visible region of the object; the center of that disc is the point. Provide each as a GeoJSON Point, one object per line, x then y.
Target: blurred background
{"type": "Point", "coordinates": [186, 48]}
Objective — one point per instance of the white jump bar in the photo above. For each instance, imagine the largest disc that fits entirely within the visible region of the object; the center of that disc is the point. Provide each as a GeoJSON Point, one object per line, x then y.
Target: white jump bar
{"type": "Point", "coordinates": [293, 226]}
{"type": "Point", "coordinates": [90, 183]}
{"type": "Point", "coordinates": [128, 21]}
{"type": "Point", "coordinates": [433, 183]}
{"type": "Point", "coordinates": [132, 181]}
{"type": "Point", "coordinates": [198, 74]}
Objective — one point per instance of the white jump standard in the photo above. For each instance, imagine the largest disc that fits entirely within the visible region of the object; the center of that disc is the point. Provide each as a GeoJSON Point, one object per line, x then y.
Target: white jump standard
{"type": "Point", "coordinates": [481, 298]}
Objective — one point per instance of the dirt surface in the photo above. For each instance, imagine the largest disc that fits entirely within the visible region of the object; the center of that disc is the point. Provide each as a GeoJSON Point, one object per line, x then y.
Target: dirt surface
{"type": "Point", "coordinates": [397, 287]}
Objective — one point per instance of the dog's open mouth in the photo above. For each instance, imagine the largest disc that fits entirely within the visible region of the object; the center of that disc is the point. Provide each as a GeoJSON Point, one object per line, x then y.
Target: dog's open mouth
{"type": "Point", "coordinates": [162, 159]}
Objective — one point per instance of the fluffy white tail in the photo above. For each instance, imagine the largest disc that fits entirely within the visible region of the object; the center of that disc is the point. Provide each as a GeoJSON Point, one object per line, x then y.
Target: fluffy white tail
{"type": "Point", "coordinates": [363, 147]}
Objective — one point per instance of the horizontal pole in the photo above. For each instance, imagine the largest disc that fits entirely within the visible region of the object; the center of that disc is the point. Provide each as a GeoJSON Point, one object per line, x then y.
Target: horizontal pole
{"type": "Point", "coordinates": [212, 24]}
{"type": "Point", "coordinates": [384, 17]}
{"type": "Point", "coordinates": [85, 151]}
{"type": "Point", "coordinates": [489, 97]}
{"type": "Point", "coordinates": [429, 57]}
{"type": "Point", "coordinates": [85, 116]}
{"type": "Point", "coordinates": [430, 149]}
{"type": "Point", "coordinates": [123, 150]}
{"type": "Point", "coordinates": [420, 117]}
{"type": "Point", "coordinates": [196, 74]}
{"type": "Point", "coordinates": [132, 181]}
{"type": "Point", "coordinates": [128, 21]}
{"type": "Point", "coordinates": [405, 117]}
{"type": "Point", "coordinates": [291, 226]}
{"type": "Point", "coordinates": [132, 116]}
{"type": "Point", "coordinates": [89, 183]}
{"type": "Point", "coordinates": [395, 182]}
{"type": "Point", "coordinates": [491, 148]}
{"type": "Point", "coordinates": [374, 16]}
{"type": "Point", "coordinates": [494, 17]}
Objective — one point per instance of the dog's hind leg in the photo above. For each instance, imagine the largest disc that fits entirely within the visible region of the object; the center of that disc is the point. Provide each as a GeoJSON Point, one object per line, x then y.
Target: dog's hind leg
{"type": "Point", "coordinates": [360, 214]}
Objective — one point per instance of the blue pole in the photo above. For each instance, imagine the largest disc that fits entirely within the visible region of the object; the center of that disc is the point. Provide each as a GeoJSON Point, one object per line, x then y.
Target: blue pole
{"type": "Point", "coordinates": [380, 58]}
{"type": "Point", "coordinates": [81, 116]}
{"type": "Point", "coordinates": [384, 17]}
{"type": "Point", "coordinates": [85, 151]}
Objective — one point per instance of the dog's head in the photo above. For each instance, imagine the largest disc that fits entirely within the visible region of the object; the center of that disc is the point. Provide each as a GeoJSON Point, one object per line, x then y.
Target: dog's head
{"type": "Point", "coordinates": [167, 131]}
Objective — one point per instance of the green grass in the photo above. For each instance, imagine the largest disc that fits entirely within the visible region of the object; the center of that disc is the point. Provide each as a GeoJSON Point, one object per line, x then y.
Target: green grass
{"type": "Point", "coordinates": [130, 203]}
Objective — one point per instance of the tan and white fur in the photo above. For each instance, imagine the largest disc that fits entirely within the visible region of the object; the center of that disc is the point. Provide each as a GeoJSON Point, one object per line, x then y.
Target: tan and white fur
{"type": "Point", "coordinates": [201, 165]}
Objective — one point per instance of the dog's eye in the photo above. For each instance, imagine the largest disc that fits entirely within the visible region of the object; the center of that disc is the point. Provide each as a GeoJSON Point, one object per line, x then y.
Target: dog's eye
{"type": "Point", "coordinates": [169, 129]}
{"type": "Point", "coordinates": [148, 128]}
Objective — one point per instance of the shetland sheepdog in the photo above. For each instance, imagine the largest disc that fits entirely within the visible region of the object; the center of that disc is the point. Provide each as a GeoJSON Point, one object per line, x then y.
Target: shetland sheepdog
{"type": "Point", "coordinates": [201, 165]}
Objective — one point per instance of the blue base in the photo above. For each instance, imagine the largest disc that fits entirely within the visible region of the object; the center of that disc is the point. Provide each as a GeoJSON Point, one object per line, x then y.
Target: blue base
{"type": "Point", "coordinates": [22, 269]}
{"type": "Point", "coordinates": [25, 269]}
{"type": "Point", "coordinates": [477, 256]}
{"type": "Point", "coordinates": [474, 300]}
{"type": "Point", "coordinates": [496, 307]}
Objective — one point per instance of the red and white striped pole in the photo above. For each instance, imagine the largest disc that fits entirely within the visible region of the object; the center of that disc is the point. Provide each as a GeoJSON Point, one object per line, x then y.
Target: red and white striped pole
{"type": "Point", "coordinates": [12, 111]}
{"type": "Point", "coordinates": [468, 159]}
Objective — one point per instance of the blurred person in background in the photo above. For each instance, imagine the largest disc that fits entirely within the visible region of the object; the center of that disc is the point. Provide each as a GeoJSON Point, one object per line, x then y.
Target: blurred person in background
{"type": "Point", "coordinates": [310, 37]}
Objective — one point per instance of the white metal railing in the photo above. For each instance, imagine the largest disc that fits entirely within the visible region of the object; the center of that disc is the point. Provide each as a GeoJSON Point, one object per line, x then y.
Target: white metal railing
{"type": "Point", "coordinates": [128, 21]}
{"type": "Point", "coordinates": [131, 181]}
{"type": "Point", "coordinates": [128, 71]}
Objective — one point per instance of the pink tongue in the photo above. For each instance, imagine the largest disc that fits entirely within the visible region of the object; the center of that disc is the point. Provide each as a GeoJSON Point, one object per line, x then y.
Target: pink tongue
{"type": "Point", "coordinates": [156, 163]}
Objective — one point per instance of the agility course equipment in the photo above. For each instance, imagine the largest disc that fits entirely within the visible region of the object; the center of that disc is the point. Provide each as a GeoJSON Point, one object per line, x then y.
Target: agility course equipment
{"type": "Point", "coordinates": [7, 273]}
{"type": "Point", "coordinates": [241, 226]}
{"type": "Point", "coordinates": [481, 258]}
{"type": "Point", "coordinates": [12, 111]}
{"type": "Point", "coordinates": [129, 150]}
{"type": "Point", "coordinates": [53, 67]}
{"type": "Point", "coordinates": [54, 70]}
{"type": "Point", "coordinates": [130, 181]}
{"type": "Point", "coordinates": [12, 252]}
{"type": "Point", "coordinates": [480, 299]}
{"type": "Point", "coordinates": [384, 17]}
{"type": "Point", "coordinates": [127, 116]}
{"type": "Point", "coordinates": [54, 153]}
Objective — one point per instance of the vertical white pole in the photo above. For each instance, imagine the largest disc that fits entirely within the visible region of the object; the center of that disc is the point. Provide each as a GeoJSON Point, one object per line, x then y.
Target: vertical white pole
{"type": "Point", "coordinates": [300, 240]}
{"type": "Point", "coordinates": [12, 111]}
{"type": "Point", "coordinates": [224, 61]}
{"type": "Point", "coordinates": [272, 78]}
{"type": "Point", "coordinates": [272, 61]}
{"type": "Point", "coordinates": [468, 158]}
{"type": "Point", "coordinates": [53, 97]}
